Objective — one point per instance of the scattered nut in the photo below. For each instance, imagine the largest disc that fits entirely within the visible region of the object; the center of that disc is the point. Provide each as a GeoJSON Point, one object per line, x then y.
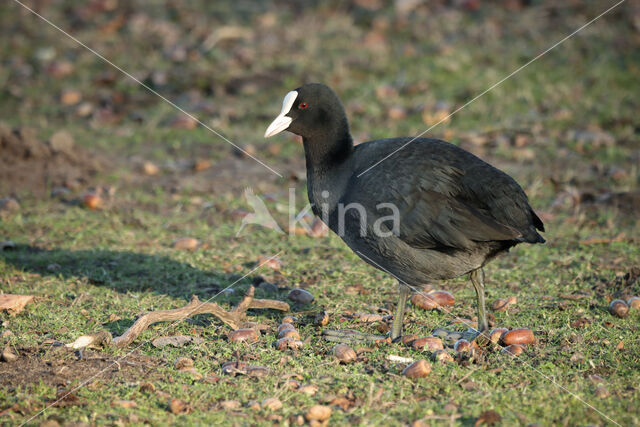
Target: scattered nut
{"type": "Point", "coordinates": [462, 345]}
{"type": "Point", "coordinates": [408, 339]}
{"type": "Point", "coordinates": [177, 406]}
{"type": "Point", "coordinates": [443, 298]}
{"type": "Point", "coordinates": [8, 355]}
{"type": "Point", "coordinates": [318, 413]}
{"type": "Point", "coordinates": [183, 362]}
{"type": "Point", "coordinates": [602, 392]}
{"type": "Point", "coordinates": [300, 296]}
{"type": "Point", "coordinates": [284, 326]}
{"type": "Point", "coordinates": [344, 353]}
{"type": "Point", "coordinates": [186, 243]}
{"type": "Point", "coordinates": [289, 333]}
{"type": "Point", "coordinates": [309, 389]}
{"type": "Point", "coordinates": [92, 201]}
{"type": "Point", "coordinates": [496, 334]}
{"type": "Point", "coordinates": [291, 384]}
{"type": "Point", "coordinates": [499, 304]}
{"type": "Point", "coordinates": [271, 403]}
{"type": "Point", "coordinates": [418, 369]}
{"type": "Point", "coordinates": [287, 343]}
{"type": "Point", "coordinates": [321, 319]}
{"type": "Point", "coordinates": [427, 343]}
{"type": "Point", "coordinates": [619, 308]}
{"type": "Point", "coordinates": [289, 319]}
{"type": "Point", "coordinates": [424, 302]}
{"type": "Point", "coordinates": [248, 335]}
{"type": "Point", "coordinates": [512, 300]}
{"type": "Point", "coordinates": [441, 356]}
{"type": "Point", "coordinates": [518, 336]}
{"type": "Point", "coordinates": [513, 349]}
{"type": "Point", "coordinates": [634, 303]}
{"type": "Point", "coordinates": [149, 168]}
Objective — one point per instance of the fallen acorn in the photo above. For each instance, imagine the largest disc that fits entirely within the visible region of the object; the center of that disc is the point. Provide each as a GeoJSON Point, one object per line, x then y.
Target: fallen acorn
{"type": "Point", "coordinates": [92, 201]}
{"type": "Point", "coordinates": [234, 368]}
{"type": "Point", "coordinates": [496, 334]}
{"type": "Point", "coordinates": [271, 403]}
{"type": "Point", "coordinates": [427, 343]}
{"type": "Point", "coordinates": [344, 353]}
{"type": "Point", "coordinates": [462, 345]}
{"type": "Point", "coordinates": [518, 336]}
{"type": "Point", "coordinates": [186, 243]}
{"type": "Point", "coordinates": [289, 319]}
{"type": "Point", "coordinates": [300, 296]}
{"type": "Point", "coordinates": [513, 349]}
{"type": "Point", "coordinates": [287, 343]}
{"type": "Point", "coordinates": [248, 335]}
{"type": "Point", "coordinates": [284, 326]}
{"type": "Point", "coordinates": [512, 300]}
{"type": "Point", "coordinates": [272, 263]}
{"type": "Point", "coordinates": [441, 356]}
{"type": "Point", "coordinates": [183, 362]}
{"type": "Point", "coordinates": [443, 298]}
{"type": "Point", "coordinates": [309, 389]}
{"type": "Point", "coordinates": [499, 304]}
{"type": "Point", "coordinates": [8, 355]}
{"type": "Point", "coordinates": [289, 333]}
{"type": "Point", "coordinates": [177, 406]}
{"type": "Point", "coordinates": [258, 371]}
{"type": "Point", "coordinates": [368, 317]}
{"type": "Point", "coordinates": [321, 319]}
{"type": "Point", "coordinates": [291, 384]}
{"type": "Point", "coordinates": [418, 369]}
{"type": "Point", "coordinates": [619, 308]}
{"type": "Point", "coordinates": [408, 339]}
{"type": "Point", "coordinates": [318, 413]}
{"type": "Point", "coordinates": [634, 303]}
{"type": "Point", "coordinates": [424, 302]}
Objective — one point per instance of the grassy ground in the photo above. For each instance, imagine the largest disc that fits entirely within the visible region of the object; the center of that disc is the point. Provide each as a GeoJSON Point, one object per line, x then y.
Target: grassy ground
{"type": "Point", "coordinates": [565, 127]}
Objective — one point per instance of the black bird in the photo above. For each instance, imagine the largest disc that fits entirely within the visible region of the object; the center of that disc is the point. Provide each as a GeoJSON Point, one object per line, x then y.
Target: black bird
{"type": "Point", "coordinates": [420, 209]}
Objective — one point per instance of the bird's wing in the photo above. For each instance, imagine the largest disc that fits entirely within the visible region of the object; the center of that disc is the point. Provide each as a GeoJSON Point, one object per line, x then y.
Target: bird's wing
{"type": "Point", "coordinates": [433, 210]}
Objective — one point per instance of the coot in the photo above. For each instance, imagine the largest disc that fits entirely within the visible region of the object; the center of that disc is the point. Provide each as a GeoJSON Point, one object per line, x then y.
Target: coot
{"type": "Point", "coordinates": [429, 211]}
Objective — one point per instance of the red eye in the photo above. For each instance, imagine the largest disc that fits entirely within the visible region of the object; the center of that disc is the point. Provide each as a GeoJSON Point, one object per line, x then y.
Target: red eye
{"type": "Point", "coordinates": [303, 105]}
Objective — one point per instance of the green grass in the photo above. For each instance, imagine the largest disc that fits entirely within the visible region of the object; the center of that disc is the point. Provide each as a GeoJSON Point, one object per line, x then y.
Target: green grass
{"type": "Point", "coordinates": [120, 260]}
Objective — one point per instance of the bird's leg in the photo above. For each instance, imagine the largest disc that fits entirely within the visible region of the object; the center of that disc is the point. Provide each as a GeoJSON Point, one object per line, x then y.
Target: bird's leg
{"type": "Point", "coordinates": [398, 319]}
{"type": "Point", "coordinates": [352, 336]}
{"type": "Point", "coordinates": [477, 278]}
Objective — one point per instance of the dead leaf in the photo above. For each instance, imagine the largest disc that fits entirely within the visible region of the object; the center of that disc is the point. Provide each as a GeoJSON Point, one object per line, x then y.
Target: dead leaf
{"type": "Point", "coordinates": [14, 304]}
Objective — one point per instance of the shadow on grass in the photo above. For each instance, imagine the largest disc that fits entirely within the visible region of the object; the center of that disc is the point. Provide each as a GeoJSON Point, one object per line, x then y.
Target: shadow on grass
{"type": "Point", "coordinates": [125, 271]}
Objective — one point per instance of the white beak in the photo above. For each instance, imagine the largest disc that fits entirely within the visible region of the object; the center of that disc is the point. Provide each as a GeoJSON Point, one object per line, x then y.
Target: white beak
{"type": "Point", "coordinates": [282, 121]}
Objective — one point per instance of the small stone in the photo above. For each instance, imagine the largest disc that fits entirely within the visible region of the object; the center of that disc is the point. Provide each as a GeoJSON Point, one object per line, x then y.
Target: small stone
{"type": "Point", "coordinates": [318, 413]}
{"type": "Point", "coordinates": [271, 403]}
{"type": "Point", "coordinates": [418, 369]}
{"type": "Point", "coordinates": [300, 296]}
{"type": "Point", "coordinates": [344, 353]}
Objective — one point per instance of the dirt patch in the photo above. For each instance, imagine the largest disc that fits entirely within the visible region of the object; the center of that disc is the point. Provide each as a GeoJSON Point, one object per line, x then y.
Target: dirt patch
{"type": "Point", "coordinates": [61, 366]}
{"type": "Point", "coordinates": [28, 165]}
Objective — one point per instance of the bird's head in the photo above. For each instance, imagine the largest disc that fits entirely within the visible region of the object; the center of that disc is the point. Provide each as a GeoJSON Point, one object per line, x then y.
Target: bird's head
{"type": "Point", "coordinates": [308, 110]}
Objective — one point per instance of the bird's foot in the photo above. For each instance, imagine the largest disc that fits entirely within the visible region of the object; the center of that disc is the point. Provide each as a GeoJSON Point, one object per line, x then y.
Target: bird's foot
{"type": "Point", "coordinates": [351, 336]}
{"type": "Point", "coordinates": [450, 337]}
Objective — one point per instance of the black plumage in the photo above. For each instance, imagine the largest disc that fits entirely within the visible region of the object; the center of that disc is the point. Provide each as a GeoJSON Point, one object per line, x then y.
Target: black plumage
{"type": "Point", "coordinates": [456, 212]}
